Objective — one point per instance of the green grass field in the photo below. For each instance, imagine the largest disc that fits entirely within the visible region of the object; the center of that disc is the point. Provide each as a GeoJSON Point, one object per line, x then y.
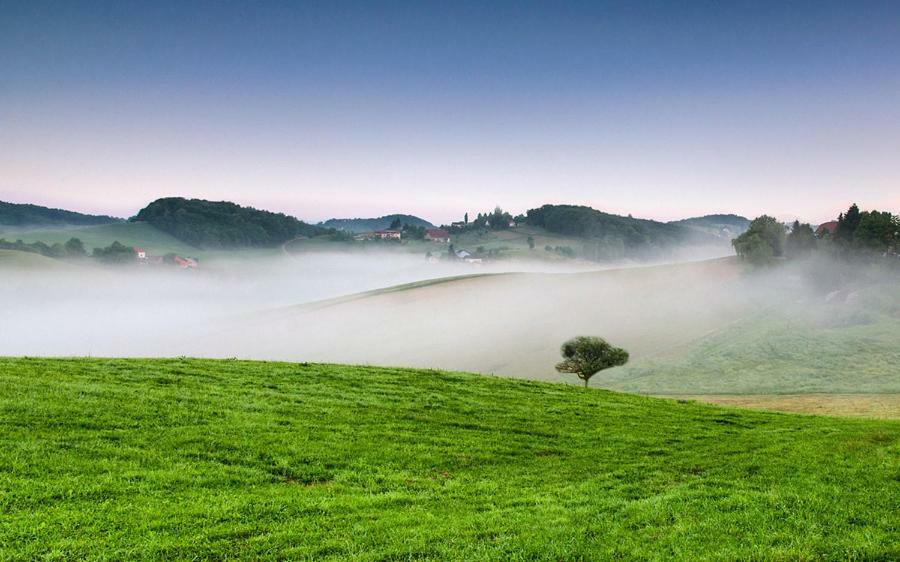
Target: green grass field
{"type": "Point", "coordinates": [192, 459]}
{"type": "Point", "coordinates": [27, 261]}
{"type": "Point", "coordinates": [128, 233]}
{"type": "Point", "coordinates": [844, 348]}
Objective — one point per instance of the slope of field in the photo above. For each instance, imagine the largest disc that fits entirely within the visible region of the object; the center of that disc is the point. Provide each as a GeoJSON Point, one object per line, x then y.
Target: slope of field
{"type": "Point", "coordinates": [845, 350]}
{"type": "Point", "coordinates": [504, 324]}
{"type": "Point", "coordinates": [27, 261]}
{"type": "Point", "coordinates": [189, 459]}
{"type": "Point", "coordinates": [128, 233]}
{"type": "Point", "coordinates": [704, 328]}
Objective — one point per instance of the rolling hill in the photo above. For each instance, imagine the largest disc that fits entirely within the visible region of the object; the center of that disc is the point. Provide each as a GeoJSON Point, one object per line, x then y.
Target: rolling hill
{"type": "Point", "coordinates": [21, 215]}
{"type": "Point", "coordinates": [703, 328]}
{"type": "Point", "coordinates": [370, 225]}
{"type": "Point", "coordinates": [615, 236]}
{"type": "Point", "coordinates": [128, 233]}
{"type": "Point", "coordinates": [222, 224]}
{"type": "Point", "coordinates": [722, 226]}
{"type": "Point", "coordinates": [28, 261]}
{"type": "Point", "coordinates": [192, 459]}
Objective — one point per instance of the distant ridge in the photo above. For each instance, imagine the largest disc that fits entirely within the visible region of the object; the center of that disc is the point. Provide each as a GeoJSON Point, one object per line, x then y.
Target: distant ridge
{"type": "Point", "coordinates": [615, 236]}
{"type": "Point", "coordinates": [722, 225]}
{"type": "Point", "coordinates": [372, 224]}
{"type": "Point", "coordinates": [27, 215]}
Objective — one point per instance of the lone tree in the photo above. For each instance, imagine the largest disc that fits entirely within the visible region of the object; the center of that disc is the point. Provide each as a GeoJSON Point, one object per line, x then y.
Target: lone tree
{"type": "Point", "coordinates": [586, 356]}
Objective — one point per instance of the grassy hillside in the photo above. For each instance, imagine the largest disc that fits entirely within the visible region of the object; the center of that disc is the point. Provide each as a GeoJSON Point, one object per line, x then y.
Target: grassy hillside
{"type": "Point", "coordinates": [163, 459]}
{"type": "Point", "coordinates": [842, 350]}
{"type": "Point", "coordinates": [28, 261]}
{"type": "Point", "coordinates": [704, 328]}
{"type": "Point", "coordinates": [128, 233]}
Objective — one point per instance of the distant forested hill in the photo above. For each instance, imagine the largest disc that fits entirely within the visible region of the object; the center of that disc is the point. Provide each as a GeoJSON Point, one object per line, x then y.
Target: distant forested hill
{"type": "Point", "coordinates": [727, 226]}
{"type": "Point", "coordinates": [613, 236]}
{"type": "Point", "coordinates": [221, 224]}
{"type": "Point", "coordinates": [728, 220]}
{"type": "Point", "coordinates": [23, 214]}
{"type": "Point", "coordinates": [370, 225]}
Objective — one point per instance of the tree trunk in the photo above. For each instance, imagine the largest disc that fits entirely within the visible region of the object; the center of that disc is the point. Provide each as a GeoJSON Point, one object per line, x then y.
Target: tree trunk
{"type": "Point", "coordinates": [585, 382]}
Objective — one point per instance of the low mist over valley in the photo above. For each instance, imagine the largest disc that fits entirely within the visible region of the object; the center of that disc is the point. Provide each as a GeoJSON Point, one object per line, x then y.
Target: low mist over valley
{"type": "Point", "coordinates": [449, 281]}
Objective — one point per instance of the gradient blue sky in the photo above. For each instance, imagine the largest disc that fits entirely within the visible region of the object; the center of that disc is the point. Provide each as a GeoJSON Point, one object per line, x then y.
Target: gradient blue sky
{"type": "Point", "coordinates": [659, 109]}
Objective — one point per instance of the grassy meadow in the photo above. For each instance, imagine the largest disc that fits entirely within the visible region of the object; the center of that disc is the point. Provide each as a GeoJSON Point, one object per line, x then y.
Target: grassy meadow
{"type": "Point", "coordinates": [127, 233]}
{"type": "Point", "coordinates": [27, 261]}
{"type": "Point", "coordinates": [200, 459]}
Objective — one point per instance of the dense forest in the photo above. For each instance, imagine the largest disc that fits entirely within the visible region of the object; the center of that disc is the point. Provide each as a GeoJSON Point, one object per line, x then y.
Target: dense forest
{"type": "Point", "coordinates": [380, 223]}
{"type": "Point", "coordinates": [221, 224]}
{"type": "Point", "coordinates": [24, 214]}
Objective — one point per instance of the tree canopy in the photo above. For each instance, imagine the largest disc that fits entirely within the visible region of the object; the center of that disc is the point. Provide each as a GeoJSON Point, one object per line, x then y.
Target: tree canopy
{"type": "Point", "coordinates": [586, 356]}
{"type": "Point", "coordinates": [763, 240]}
{"type": "Point", "coordinates": [221, 224]}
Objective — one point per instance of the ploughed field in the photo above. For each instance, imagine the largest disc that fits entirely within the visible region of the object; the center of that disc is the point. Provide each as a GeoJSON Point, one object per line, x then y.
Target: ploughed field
{"type": "Point", "coordinates": [202, 459]}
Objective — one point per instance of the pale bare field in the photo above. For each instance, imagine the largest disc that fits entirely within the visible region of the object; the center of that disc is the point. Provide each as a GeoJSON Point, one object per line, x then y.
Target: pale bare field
{"type": "Point", "coordinates": [881, 406]}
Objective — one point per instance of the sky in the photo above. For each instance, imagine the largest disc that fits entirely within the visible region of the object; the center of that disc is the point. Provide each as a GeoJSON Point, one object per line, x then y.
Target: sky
{"type": "Point", "coordinates": [330, 109]}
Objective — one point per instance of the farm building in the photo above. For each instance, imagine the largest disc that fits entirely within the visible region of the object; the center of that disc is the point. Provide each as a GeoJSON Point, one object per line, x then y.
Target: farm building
{"type": "Point", "coordinates": [387, 234]}
{"type": "Point", "coordinates": [826, 229]}
{"type": "Point", "coordinates": [185, 263]}
{"type": "Point", "coordinates": [437, 235]}
{"type": "Point", "coordinates": [140, 253]}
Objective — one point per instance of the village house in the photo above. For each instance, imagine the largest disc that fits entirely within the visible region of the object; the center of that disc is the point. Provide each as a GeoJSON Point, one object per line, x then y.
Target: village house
{"type": "Point", "coordinates": [387, 234]}
{"type": "Point", "coordinates": [828, 228]}
{"type": "Point", "coordinates": [140, 254]}
{"type": "Point", "coordinates": [185, 263]}
{"type": "Point", "coordinates": [437, 235]}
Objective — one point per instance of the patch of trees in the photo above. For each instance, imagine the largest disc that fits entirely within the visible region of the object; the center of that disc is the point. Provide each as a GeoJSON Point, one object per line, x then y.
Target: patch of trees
{"type": "Point", "coordinates": [867, 231]}
{"type": "Point", "coordinates": [498, 219]}
{"type": "Point", "coordinates": [23, 214]}
{"type": "Point", "coordinates": [763, 240]}
{"type": "Point", "coordinates": [73, 248]}
{"type": "Point", "coordinates": [115, 253]}
{"type": "Point", "coordinates": [857, 234]}
{"type": "Point", "coordinates": [565, 251]}
{"type": "Point", "coordinates": [412, 232]}
{"type": "Point", "coordinates": [221, 224]}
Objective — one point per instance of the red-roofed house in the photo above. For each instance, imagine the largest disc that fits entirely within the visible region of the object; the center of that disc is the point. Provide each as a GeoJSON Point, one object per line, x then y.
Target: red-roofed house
{"type": "Point", "coordinates": [828, 228]}
{"type": "Point", "coordinates": [437, 235]}
{"type": "Point", "coordinates": [185, 263]}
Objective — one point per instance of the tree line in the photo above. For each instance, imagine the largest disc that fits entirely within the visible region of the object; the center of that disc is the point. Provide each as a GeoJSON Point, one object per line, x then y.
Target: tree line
{"type": "Point", "coordinates": [856, 234]}
{"type": "Point", "coordinates": [73, 248]}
